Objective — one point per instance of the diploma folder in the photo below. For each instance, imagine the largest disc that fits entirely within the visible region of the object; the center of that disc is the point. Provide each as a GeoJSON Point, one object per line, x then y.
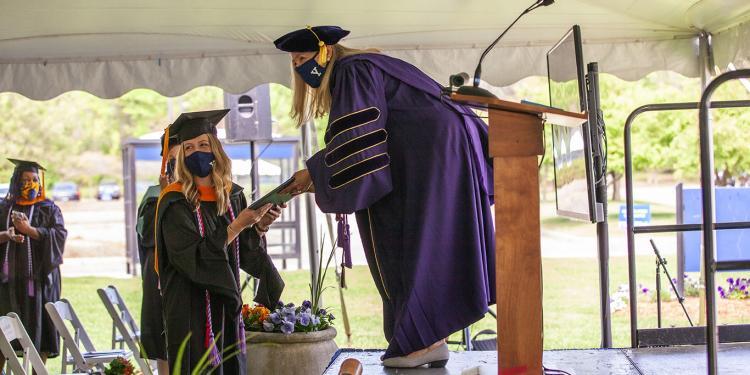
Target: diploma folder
{"type": "Point", "coordinates": [274, 197]}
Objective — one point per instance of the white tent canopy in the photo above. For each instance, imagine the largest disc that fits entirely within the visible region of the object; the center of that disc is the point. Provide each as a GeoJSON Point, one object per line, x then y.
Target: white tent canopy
{"type": "Point", "coordinates": [107, 48]}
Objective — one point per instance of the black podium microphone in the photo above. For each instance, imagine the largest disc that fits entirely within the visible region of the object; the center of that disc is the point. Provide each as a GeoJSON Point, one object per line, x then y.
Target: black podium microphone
{"type": "Point", "coordinates": [475, 89]}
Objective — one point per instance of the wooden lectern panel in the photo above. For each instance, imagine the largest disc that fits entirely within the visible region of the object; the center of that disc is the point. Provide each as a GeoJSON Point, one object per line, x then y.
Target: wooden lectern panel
{"type": "Point", "coordinates": [516, 139]}
{"type": "Point", "coordinates": [518, 259]}
{"type": "Point", "coordinates": [515, 134]}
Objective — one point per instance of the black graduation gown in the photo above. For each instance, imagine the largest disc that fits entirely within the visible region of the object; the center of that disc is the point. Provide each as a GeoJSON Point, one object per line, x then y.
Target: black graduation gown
{"type": "Point", "coordinates": [153, 340]}
{"type": "Point", "coordinates": [190, 264]}
{"type": "Point", "coordinates": [46, 258]}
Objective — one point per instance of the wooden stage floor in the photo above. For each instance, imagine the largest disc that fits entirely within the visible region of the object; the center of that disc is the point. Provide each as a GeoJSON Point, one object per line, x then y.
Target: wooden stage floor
{"type": "Point", "coordinates": [679, 360]}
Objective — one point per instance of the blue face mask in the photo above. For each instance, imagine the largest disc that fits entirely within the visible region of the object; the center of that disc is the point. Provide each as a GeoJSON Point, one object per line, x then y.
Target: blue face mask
{"type": "Point", "coordinates": [311, 72]}
{"type": "Point", "coordinates": [200, 163]}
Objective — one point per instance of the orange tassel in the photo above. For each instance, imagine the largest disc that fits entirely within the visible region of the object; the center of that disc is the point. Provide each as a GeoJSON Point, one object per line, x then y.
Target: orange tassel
{"type": "Point", "coordinates": [165, 152]}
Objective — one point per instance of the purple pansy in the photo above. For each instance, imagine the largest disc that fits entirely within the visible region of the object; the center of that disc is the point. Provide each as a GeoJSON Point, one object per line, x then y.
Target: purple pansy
{"type": "Point", "coordinates": [287, 327]}
{"type": "Point", "coordinates": [268, 326]}
{"type": "Point", "coordinates": [304, 319]}
{"type": "Point", "coordinates": [275, 318]}
{"type": "Point", "coordinates": [306, 304]}
{"type": "Point", "coordinates": [288, 314]}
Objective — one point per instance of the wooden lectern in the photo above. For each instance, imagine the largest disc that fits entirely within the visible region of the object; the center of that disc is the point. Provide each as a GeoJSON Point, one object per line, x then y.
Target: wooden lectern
{"type": "Point", "coordinates": [515, 142]}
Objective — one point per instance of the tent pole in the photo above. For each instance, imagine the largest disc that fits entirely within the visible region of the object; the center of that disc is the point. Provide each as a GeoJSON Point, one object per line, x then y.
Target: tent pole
{"type": "Point", "coordinates": [129, 196]}
{"type": "Point", "coordinates": [705, 59]}
{"type": "Point", "coordinates": [308, 144]}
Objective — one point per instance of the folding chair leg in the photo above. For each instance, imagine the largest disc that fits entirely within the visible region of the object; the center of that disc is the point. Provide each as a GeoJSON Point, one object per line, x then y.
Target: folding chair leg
{"type": "Point", "coordinates": [467, 339]}
{"type": "Point", "coordinates": [64, 367]}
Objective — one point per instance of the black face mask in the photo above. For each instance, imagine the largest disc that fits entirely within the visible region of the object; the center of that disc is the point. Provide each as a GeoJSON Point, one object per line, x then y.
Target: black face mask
{"type": "Point", "coordinates": [311, 72]}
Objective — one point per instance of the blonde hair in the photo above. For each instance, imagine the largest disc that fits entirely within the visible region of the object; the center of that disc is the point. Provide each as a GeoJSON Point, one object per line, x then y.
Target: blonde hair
{"type": "Point", "coordinates": [221, 176]}
{"type": "Point", "coordinates": [309, 103]}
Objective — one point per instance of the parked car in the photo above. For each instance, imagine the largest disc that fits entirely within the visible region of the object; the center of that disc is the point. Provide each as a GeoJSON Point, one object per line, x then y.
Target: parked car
{"type": "Point", "coordinates": [66, 191]}
{"type": "Point", "coordinates": [108, 191]}
{"type": "Point", "coordinates": [4, 190]}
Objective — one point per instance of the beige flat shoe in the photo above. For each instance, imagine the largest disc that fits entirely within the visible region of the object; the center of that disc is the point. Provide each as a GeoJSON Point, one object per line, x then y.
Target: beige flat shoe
{"type": "Point", "coordinates": [435, 358]}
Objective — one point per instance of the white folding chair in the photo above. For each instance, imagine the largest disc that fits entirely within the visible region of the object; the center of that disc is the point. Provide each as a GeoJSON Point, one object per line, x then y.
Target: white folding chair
{"type": "Point", "coordinates": [61, 312]}
{"type": "Point", "coordinates": [11, 328]}
{"type": "Point", "coordinates": [124, 328]}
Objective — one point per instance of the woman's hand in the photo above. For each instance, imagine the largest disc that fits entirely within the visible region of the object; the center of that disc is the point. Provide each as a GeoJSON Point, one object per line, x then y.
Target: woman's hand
{"type": "Point", "coordinates": [272, 215]}
{"type": "Point", "coordinates": [302, 183]}
{"type": "Point", "coordinates": [248, 217]}
{"type": "Point", "coordinates": [22, 225]}
{"type": "Point", "coordinates": [163, 181]}
{"type": "Point", "coordinates": [12, 236]}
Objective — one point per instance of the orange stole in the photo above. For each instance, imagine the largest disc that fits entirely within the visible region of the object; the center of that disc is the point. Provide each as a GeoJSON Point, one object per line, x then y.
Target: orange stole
{"type": "Point", "coordinates": [22, 202]}
{"type": "Point", "coordinates": [175, 187]}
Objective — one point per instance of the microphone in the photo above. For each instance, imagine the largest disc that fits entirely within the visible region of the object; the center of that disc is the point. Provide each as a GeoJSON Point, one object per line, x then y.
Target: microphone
{"type": "Point", "coordinates": [458, 79]}
{"type": "Point", "coordinates": [475, 89]}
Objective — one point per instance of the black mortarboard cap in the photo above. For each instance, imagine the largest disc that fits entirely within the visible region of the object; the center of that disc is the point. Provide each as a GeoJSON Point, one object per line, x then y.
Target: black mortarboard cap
{"type": "Point", "coordinates": [192, 124]}
{"type": "Point", "coordinates": [307, 39]}
{"type": "Point", "coordinates": [172, 142]}
{"type": "Point", "coordinates": [26, 165]}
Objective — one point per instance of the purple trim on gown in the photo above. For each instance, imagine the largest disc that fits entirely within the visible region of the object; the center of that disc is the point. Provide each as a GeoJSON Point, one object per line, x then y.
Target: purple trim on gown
{"type": "Point", "coordinates": [422, 197]}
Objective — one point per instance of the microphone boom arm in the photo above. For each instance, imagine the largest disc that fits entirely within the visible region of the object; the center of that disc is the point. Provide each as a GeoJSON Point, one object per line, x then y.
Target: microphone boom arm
{"type": "Point", "coordinates": [478, 70]}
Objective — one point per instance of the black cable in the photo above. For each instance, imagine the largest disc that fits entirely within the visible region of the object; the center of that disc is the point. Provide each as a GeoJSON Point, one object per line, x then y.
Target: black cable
{"type": "Point", "coordinates": [600, 133]}
{"type": "Point", "coordinates": [544, 147]}
{"type": "Point", "coordinates": [606, 143]}
{"type": "Point", "coordinates": [552, 371]}
{"type": "Point", "coordinates": [478, 70]}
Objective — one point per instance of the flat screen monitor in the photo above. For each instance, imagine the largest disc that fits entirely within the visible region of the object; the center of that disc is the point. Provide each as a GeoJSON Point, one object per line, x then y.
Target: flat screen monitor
{"type": "Point", "coordinates": [573, 164]}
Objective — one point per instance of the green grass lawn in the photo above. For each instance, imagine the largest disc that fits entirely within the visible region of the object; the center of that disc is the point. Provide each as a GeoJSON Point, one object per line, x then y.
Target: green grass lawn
{"type": "Point", "coordinates": [571, 307]}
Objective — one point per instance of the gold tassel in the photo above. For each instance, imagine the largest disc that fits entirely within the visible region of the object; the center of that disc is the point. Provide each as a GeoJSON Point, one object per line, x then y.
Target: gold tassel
{"type": "Point", "coordinates": [44, 188]}
{"type": "Point", "coordinates": [322, 50]}
{"type": "Point", "coordinates": [323, 54]}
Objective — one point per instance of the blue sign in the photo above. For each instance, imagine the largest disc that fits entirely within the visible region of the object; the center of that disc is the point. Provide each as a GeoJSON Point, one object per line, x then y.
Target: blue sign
{"type": "Point", "coordinates": [732, 205]}
{"type": "Point", "coordinates": [641, 214]}
{"type": "Point", "coordinates": [275, 150]}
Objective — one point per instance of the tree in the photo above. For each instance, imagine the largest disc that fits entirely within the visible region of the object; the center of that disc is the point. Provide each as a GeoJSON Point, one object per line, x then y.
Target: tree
{"type": "Point", "coordinates": [77, 136]}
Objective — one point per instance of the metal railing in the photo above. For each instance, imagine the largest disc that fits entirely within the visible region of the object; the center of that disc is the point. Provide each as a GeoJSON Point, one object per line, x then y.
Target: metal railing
{"type": "Point", "coordinates": [710, 265]}
{"type": "Point", "coordinates": [632, 230]}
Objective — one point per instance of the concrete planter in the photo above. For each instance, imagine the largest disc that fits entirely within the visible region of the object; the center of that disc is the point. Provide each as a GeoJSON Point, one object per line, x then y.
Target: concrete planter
{"type": "Point", "coordinates": [296, 353]}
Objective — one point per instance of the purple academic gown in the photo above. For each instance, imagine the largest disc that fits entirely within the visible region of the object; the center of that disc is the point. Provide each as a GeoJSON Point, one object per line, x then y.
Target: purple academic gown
{"type": "Point", "coordinates": [414, 168]}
